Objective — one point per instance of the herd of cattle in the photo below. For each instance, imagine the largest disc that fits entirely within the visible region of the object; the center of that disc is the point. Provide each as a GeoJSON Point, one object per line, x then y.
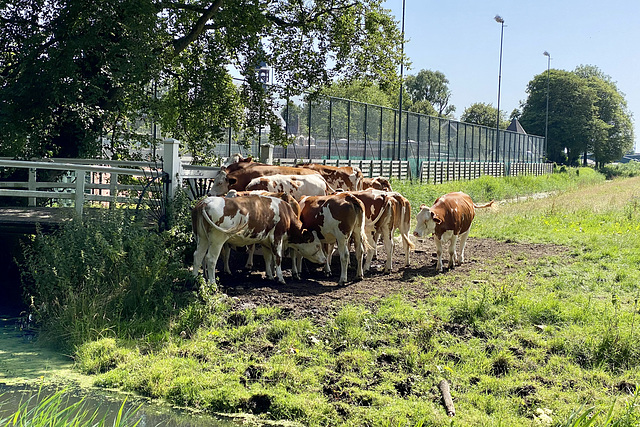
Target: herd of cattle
{"type": "Point", "coordinates": [309, 209]}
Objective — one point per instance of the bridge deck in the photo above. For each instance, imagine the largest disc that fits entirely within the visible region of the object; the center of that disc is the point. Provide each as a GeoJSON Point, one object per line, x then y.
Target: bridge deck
{"type": "Point", "coordinates": [23, 220]}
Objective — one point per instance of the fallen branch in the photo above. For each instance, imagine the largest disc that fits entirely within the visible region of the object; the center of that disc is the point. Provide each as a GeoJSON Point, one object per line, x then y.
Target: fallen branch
{"type": "Point", "coordinates": [446, 397]}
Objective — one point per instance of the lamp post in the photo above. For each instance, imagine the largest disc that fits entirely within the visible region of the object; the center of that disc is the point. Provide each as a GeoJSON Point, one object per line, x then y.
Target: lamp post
{"type": "Point", "coordinates": [500, 21]}
{"type": "Point", "coordinates": [546, 119]}
{"type": "Point", "coordinates": [401, 85]}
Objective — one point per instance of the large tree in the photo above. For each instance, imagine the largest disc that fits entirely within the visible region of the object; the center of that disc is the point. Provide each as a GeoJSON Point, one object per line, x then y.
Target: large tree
{"type": "Point", "coordinates": [433, 87]}
{"type": "Point", "coordinates": [72, 71]}
{"type": "Point", "coordinates": [586, 114]}
{"type": "Point", "coordinates": [484, 114]}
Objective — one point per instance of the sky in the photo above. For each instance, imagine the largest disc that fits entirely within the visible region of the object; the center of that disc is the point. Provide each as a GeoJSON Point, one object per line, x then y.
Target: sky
{"type": "Point", "coordinates": [461, 39]}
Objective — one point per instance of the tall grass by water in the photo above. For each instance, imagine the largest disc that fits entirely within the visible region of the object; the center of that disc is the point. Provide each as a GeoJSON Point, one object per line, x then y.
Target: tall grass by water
{"type": "Point", "coordinates": [56, 410]}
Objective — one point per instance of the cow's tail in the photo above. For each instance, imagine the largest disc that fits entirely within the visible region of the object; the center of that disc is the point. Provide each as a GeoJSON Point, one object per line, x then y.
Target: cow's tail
{"type": "Point", "coordinates": [196, 221]}
{"type": "Point", "coordinates": [360, 223]}
{"type": "Point", "coordinates": [488, 205]}
{"type": "Point", "coordinates": [405, 224]}
{"type": "Point", "coordinates": [232, 230]}
{"type": "Point", "coordinates": [359, 178]}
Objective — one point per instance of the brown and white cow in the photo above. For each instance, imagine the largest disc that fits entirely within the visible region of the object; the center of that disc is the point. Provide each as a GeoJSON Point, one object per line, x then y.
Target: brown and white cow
{"type": "Point", "coordinates": [247, 220]}
{"type": "Point", "coordinates": [336, 218]}
{"type": "Point", "coordinates": [296, 185]}
{"type": "Point", "coordinates": [377, 183]}
{"type": "Point", "coordinates": [379, 219]}
{"type": "Point", "coordinates": [339, 177]}
{"type": "Point", "coordinates": [238, 175]}
{"type": "Point", "coordinates": [450, 217]}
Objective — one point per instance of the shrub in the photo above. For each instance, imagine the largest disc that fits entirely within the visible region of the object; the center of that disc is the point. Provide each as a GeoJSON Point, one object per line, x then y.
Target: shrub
{"type": "Point", "coordinates": [99, 274]}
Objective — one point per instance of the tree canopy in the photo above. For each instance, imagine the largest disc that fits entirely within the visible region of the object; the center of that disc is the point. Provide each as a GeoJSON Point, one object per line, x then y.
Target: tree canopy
{"type": "Point", "coordinates": [432, 87]}
{"type": "Point", "coordinates": [587, 114]}
{"type": "Point", "coordinates": [484, 114]}
{"type": "Point", "coordinates": [73, 72]}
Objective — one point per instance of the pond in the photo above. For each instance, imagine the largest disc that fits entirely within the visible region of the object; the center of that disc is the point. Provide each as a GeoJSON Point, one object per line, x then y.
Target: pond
{"type": "Point", "coordinates": [27, 370]}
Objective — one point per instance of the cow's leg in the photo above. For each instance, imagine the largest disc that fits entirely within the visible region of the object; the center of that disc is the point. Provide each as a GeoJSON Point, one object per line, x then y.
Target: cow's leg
{"type": "Point", "coordinates": [329, 248]}
{"type": "Point", "coordinates": [250, 251]}
{"type": "Point", "coordinates": [199, 254]}
{"type": "Point", "coordinates": [215, 247]}
{"type": "Point", "coordinates": [295, 271]}
{"type": "Point", "coordinates": [268, 262]}
{"type": "Point", "coordinates": [387, 239]}
{"type": "Point", "coordinates": [452, 250]}
{"type": "Point", "coordinates": [463, 243]}
{"type": "Point", "coordinates": [343, 250]}
{"type": "Point", "coordinates": [226, 254]}
{"type": "Point", "coordinates": [438, 243]}
{"type": "Point", "coordinates": [359, 244]}
{"type": "Point", "coordinates": [370, 252]}
{"type": "Point", "coordinates": [277, 254]}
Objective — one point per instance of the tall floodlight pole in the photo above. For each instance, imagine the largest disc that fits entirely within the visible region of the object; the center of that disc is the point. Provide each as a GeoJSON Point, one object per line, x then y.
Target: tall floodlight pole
{"type": "Point", "coordinates": [546, 119]}
{"type": "Point", "coordinates": [401, 86]}
{"type": "Point", "coordinates": [499, 20]}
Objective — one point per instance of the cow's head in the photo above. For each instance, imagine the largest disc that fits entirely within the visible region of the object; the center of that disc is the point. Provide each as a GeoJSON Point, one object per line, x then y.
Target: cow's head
{"type": "Point", "coordinates": [426, 222]}
{"type": "Point", "coordinates": [309, 246]}
{"type": "Point", "coordinates": [221, 183]}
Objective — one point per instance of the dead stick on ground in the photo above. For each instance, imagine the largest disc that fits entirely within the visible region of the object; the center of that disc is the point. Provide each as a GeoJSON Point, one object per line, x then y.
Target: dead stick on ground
{"type": "Point", "coordinates": [446, 396]}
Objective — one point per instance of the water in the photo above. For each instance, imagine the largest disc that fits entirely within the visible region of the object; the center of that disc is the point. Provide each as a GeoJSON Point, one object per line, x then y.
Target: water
{"type": "Point", "coordinates": [26, 370]}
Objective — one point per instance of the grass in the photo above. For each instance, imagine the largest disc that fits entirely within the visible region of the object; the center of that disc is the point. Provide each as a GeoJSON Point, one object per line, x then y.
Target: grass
{"type": "Point", "coordinates": [552, 343]}
{"type": "Point", "coordinates": [55, 410]}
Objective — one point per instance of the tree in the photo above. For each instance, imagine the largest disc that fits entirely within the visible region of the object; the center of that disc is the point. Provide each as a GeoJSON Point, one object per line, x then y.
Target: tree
{"type": "Point", "coordinates": [484, 115]}
{"type": "Point", "coordinates": [586, 114]}
{"type": "Point", "coordinates": [431, 86]}
{"type": "Point", "coordinates": [74, 71]}
{"type": "Point", "coordinates": [612, 135]}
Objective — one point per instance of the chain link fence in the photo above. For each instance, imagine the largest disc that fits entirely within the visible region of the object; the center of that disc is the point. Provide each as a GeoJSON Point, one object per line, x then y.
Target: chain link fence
{"type": "Point", "coordinates": [335, 128]}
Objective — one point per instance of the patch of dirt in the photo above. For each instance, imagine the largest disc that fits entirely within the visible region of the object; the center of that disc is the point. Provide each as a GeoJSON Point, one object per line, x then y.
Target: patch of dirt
{"type": "Point", "coordinates": [317, 296]}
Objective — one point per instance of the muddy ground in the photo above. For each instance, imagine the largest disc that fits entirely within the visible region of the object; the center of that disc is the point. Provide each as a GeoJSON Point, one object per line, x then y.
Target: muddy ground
{"type": "Point", "coordinates": [317, 296]}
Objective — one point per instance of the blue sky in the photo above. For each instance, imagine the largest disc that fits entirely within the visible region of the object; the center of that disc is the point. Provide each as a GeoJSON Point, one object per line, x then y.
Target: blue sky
{"type": "Point", "coordinates": [461, 39]}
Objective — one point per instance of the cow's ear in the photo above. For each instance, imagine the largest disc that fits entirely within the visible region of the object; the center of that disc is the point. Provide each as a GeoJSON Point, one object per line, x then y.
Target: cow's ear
{"type": "Point", "coordinates": [307, 236]}
{"type": "Point", "coordinates": [223, 168]}
{"type": "Point", "coordinates": [436, 218]}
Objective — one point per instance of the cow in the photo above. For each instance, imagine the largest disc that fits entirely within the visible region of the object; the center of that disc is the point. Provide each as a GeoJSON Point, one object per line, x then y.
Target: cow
{"type": "Point", "coordinates": [296, 185]}
{"type": "Point", "coordinates": [336, 218]}
{"type": "Point", "coordinates": [247, 220]}
{"type": "Point", "coordinates": [402, 222]}
{"type": "Point", "coordinates": [377, 183]}
{"type": "Point", "coordinates": [339, 177]}
{"type": "Point", "coordinates": [239, 174]}
{"type": "Point", "coordinates": [450, 217]}
{"type": "Point", "coordinates": [379, 219]}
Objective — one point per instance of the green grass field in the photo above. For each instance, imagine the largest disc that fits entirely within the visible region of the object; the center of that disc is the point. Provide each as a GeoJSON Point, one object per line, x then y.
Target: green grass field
{"type": "Point", "coordinates": [552, 343]}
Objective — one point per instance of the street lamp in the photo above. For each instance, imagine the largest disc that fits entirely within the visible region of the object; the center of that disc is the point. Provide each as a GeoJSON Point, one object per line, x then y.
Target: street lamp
{"type": "Point", "coordinates": [500, 21]}
{"type": "Point", "coordinates": [546, 119]}
{"type": "Point", "coordinates": [401, 84]}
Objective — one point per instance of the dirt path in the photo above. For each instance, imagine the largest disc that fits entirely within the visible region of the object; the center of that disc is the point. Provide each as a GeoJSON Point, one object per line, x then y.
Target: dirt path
{"type": "Point", "coordinates": [317, 296]}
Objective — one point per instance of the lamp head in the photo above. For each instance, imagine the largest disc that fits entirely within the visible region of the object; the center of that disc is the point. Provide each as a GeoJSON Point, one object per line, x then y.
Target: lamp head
{"type": "Point", "coordinates": [499, 19]}
{"type": "Point", "coordinates": [545, 53]}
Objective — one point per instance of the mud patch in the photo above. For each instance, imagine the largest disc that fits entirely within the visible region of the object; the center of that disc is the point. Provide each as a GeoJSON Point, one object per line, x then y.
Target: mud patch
{"type": "Point", "coordinates": [317, 296]}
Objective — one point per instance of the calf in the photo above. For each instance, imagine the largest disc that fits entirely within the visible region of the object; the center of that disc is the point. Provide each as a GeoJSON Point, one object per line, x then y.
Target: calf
{"type": "Point", "coordinates": [449, 217]}
{"type": "Point", "coordinates": [339, 177]}
{"type": "Point", "coordinates": [248, 220]}
{"type": "Point", "coordinates": [336, 218]}
{"type": "Point", "coordinates": [377, 183]}
{"type": "Point", "coordinates": [296, 185]}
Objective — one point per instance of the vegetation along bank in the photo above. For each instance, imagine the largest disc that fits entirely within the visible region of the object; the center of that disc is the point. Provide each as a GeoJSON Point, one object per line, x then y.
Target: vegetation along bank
{"type": "Point", "coordinates": [538, 326]}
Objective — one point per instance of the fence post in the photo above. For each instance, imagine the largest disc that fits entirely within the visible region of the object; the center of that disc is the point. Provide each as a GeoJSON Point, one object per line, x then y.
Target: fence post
{"type": "Point", "coordinates": [32, 185]}
{"type": "Point", "coordinates": [266, 153]}
{"type": "Point", "coordinates": [113, 190]}
{"type": "Point", "coordinates": [172, 166]}
{"type": "Point", "coordinates": [79, 200]}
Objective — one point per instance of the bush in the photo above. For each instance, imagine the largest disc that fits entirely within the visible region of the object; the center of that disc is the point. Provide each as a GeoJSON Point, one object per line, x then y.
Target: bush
{"type": "Point", "coordinates": [105, 273]}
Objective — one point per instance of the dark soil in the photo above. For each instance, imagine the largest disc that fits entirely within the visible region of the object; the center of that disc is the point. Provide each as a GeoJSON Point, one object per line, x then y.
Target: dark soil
{"type": "Point", "coordinates": [317, 295]}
